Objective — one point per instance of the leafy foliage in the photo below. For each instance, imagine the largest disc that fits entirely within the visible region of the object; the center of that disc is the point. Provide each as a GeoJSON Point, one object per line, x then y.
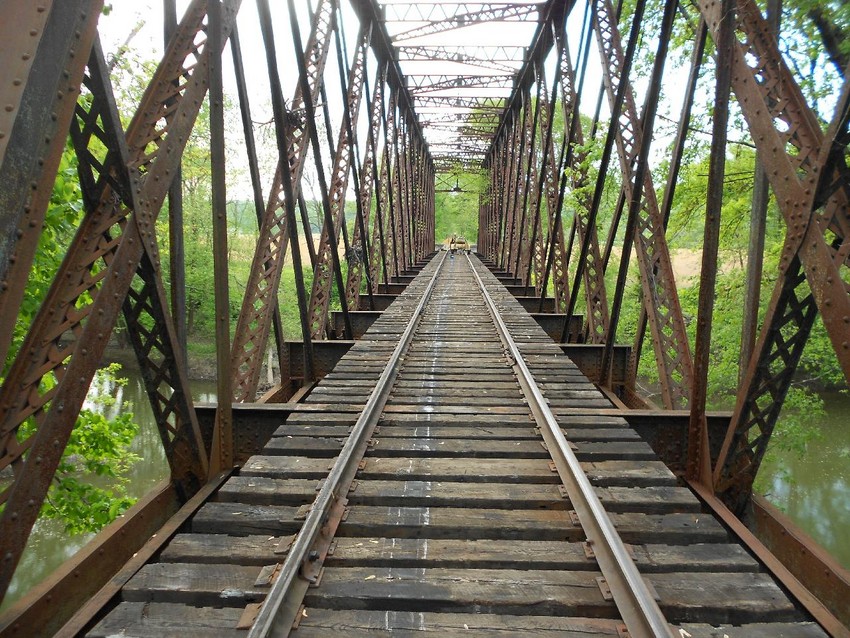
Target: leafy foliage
{"type": "Point", "coordinates": [98, 449]}
{"type": "Point", "coordinates": [87, 490]}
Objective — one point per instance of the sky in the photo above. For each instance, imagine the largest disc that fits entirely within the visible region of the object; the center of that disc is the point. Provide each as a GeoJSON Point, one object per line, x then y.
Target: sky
{"type": "Point", "coordinates": [126, 15]}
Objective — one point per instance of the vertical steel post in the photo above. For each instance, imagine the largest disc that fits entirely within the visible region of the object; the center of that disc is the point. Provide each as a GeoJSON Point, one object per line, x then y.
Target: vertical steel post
{"type": "Point", "coordinates": [699, 457]}
{"type": "Point", "coordinates": [221, 454]}
{"type": "Point", "coordinates": [176, 243]}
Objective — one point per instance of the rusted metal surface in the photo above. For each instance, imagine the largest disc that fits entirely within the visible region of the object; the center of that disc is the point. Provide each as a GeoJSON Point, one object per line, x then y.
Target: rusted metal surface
{"type": "Point", "coordinates": [221, 445]}
{"type": "Point", "coordinates": [52, 603]}
{"type": "Point", "coordinates": [254, 323]}
{"type": "Point", "coordinates": [366, 246]}
{"type": "Point", "coordinates": [673, 357]}
{"type": "Point", "coordinates": [699, 461]}
{"type": "Point", "coordinates": [805, 559]}
{"type": "Point", "coordinates": [823, 615]}
{"type": "Point", "coordinates": [327, 258]}
{"type": "Point", "coordinates": [101, 264]}
{"type": "Point", "coordinates": [45, 48]}
{"type": "Point", "coordinates": [592, 269]}
{"type": "Point", "coordinates": [804, 167]}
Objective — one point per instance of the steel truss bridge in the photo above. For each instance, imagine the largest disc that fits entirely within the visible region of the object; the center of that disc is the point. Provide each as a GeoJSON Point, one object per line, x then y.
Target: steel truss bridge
{"type": "Point", "coordinates": [457, 400]}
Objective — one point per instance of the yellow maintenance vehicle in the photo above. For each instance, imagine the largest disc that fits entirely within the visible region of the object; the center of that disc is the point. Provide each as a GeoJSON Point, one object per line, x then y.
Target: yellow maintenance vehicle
{"type": "Point", "coordinates": [456, 243]}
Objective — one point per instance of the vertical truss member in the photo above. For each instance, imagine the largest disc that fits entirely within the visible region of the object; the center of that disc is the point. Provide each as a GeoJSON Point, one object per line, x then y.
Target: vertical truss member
{"type": "Point", "coordinates": [322, 279]}
{"type": "Point", "coordinates": [368, 180]}
{"type": "Point", "coordinates": [48, 380]}
{"type": "Point", "coordinates": [672, 352]}
{"type": "Point", "coordinates": [593, 269]}
{"type": "Point", "coordinates": [254, 323]}
{"type": "Point", "coordinates": [387, 193]}
{"type": "Point", "coordinates": [47, 52]}
{"type": "Point", "coordinates": [522, 246]}
{"type": "Point", "coordinates": [554, 257]}
{"type": "Point", "coordinates": [808, 173]}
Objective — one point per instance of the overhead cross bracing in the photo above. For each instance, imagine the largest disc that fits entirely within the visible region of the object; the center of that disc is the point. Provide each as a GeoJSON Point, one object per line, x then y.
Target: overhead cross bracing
{"type": "Point", "coordinates": [460, 79]}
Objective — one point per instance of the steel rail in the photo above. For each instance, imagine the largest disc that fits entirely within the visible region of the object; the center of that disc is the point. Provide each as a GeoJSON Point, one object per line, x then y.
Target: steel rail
{"type": "Point", "coordinates": [635, 602]}
{"type": "Point", "coordinates": [281, 605]}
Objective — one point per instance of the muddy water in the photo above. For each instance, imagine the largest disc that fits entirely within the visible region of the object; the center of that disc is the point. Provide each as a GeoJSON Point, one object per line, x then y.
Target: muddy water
{"type": "Point", "coordinates": [814, 490]}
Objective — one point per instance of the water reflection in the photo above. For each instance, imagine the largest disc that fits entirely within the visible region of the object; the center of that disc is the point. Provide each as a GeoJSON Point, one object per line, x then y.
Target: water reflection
{"type": "Point", "coordinates": [49, 544]}
{"type": "Point", "coordinates": [814, 491]}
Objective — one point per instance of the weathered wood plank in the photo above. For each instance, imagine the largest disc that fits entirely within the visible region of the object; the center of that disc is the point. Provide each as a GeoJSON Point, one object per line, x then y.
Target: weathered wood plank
{"type": "Point", "coordinates": [513, 554]}
{"type": "Point", "coordinates": [722, 598]}
{"type": "Point", "coordinates": [223, 548]}
{"type": "Point", "coordinates": [439, 522]}
{"type": "Point", "coordinates": [320, 623]}
{"type": "Point", "coordinates": [196, 584]}
{"type": "Point", "coordinates": [287, 467]}
{"type": "Point", "coordinates": [447, 590]}
{"type": "Point", "coordinates": [756, 630]}
{"type": "Point", "coordinates": [165, 620]}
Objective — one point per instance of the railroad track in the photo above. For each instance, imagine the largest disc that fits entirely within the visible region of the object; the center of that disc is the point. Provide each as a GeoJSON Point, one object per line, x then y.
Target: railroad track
{"type": "Point", "coordinates": [454, 479]}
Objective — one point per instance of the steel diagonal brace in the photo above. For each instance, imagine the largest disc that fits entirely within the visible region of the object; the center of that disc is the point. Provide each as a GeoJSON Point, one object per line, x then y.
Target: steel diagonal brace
{"type": "Point", "coordinates": [560, 258]}
{"type": "Point", "coordinates": [387, 195]}
{"type": "Point", "coordinates": [810, 182]}
{"type": "Point", "coordinates": [149, 324]}
{"type": "Point", "coordinates": [367, 189]}
{"type": "Point", "coordinates": [457, 54]}
{"type": "Point", "coordinates": [320, 297]}
{"type": "Point", "coordinates": [100, 266]}
{"type": "Point", "coordinates": [46, 46]}
{"type": "Point", "coordinates": [660, 297]}
{"type": "Point", "coordinates": [593, 271]}
{"type": "Point", "coordinates": [254, 323]}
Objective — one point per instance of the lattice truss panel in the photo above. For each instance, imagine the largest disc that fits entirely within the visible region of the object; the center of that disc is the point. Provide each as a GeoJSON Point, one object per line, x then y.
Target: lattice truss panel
{"type": "Point", "coordinates": [432, 89]}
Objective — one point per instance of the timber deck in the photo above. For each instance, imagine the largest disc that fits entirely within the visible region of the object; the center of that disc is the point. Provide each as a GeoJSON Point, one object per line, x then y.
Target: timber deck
{"type": "Point", "coordinates": [457, 523]}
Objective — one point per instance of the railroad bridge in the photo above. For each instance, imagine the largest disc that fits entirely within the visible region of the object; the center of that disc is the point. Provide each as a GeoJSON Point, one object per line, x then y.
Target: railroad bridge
{"type": "Point", "coordinates": [454, 442]}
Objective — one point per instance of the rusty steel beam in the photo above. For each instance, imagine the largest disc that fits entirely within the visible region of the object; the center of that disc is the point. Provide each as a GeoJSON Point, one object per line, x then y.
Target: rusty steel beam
{"type": "Point", "coordinates": [382, 46]}
{"type": "Point", "coordinates": [466, 54]}
{"type": "Point", "coordinates": [45, 49]}
{"type": "Point", "coordinates": [221, 445]}
{"type": "Point", "coordinates": [699, 458]}
{"type": "Point", "coordinates": [387, 191]}
{"type": "Point", "coordinates": [253, 325]}
{"type": "Point", "coordinates": [52, 604]}
{"type": "Point", "coordinates": [479, 103]}
{"type": "Point", "coordinates": [660, 297]}
{"type": "Point", "coordinates": [254, 172]}
{"type": "Point", "coordinates": [176, 239]}
{"type": "Point", "coordinates": [538, 49]}
{"type": "Point", "coordinates": [368, 180]}
{"type": "Point", "coordinates": [672, 176]}
{"type": "Point", "coordinates": [422, 84]}
{"type": "Point", "coordinates": [100, 267]}
{"type": "Point", "coordinates": [321, 293]}
{"type": "Point", "coordinates": [596, 297]}
{"type": "Point", "coordinates": [531, 195]}
{"type": "Point", "coordinates": [491, 58]}
{"type": "Point", "coordinates": [465, 16]}
{"type": "Point", "coordinates": [379, 245]}
{"type": "Point", "coordinates": [807, 171]}
{"type": "Point", "coordinates": [445, 11]}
